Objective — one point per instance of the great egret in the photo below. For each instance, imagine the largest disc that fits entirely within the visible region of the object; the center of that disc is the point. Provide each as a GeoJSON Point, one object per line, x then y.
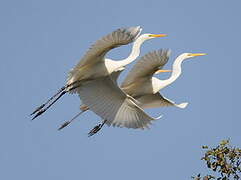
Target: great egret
{"type": "Point", "coordinates": [94, 64]}
{"type": "Point", "coordinates": [107, 100]}
{"type": "Point", "coordinates": [141, 84]}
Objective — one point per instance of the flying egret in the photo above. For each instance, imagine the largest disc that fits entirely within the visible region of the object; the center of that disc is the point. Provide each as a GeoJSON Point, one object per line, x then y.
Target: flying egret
{"type": "Point", "coordinates": [141, 84]}
{"type": "Point", "coordinates": [106, 99]}
{"type": "Point", "coordinates": [94, 64]}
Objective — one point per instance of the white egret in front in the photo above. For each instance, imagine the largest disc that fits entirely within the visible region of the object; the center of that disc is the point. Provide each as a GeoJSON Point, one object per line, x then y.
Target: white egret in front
{"type": "Point", "coordinates": [117, 107]}
{"type": "Point", "coordinates": [94, 64]}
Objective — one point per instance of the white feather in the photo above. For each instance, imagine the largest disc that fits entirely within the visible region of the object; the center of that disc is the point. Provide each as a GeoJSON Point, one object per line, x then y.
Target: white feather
{"type": "Point", "coordinates": [107, 100]}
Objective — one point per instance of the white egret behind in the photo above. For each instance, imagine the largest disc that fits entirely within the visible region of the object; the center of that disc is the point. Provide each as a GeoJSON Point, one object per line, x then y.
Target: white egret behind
{"type": "Point", "coordinates": [141, 84]}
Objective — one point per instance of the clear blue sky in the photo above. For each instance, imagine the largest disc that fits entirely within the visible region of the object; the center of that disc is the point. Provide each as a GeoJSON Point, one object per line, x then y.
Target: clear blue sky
{"type": "Point", "coordinates": [41, 40]}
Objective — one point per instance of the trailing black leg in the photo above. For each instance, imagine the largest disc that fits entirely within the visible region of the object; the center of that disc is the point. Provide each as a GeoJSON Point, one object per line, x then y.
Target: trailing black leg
{"type": "Point", "coordinates": [41, 111]}
{"type": "Point", "coordinates": [96, 128]}
{"type": "Point", "coordinates": [50, 99]}
{"type": "Point", "coordinates": [61, 92]}
{"type": "Point", "coordinates": [38, 110]}
{"type": "Point", "coordinates": [66, 123]}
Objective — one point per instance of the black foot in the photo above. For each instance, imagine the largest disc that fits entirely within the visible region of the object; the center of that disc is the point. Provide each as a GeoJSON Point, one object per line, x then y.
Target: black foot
{"type": "Point", "coordinates": [37, 109]}
{"type": "Point", "coordinates": [64, 125]}
{"type": "Point", "coordinates": [96, 129]}
{"type": "Point", "coordinates": [39, 113]}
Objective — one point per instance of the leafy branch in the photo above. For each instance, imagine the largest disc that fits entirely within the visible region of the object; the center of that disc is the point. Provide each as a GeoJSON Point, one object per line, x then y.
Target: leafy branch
{"type": "Point", "coordinates": [223, 160]}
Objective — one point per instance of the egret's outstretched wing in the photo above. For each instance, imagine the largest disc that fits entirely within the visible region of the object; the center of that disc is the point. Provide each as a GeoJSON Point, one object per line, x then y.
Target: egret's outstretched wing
{"type": "Point", "coordinates": [107, 100]}
{"type": "Point", "coordinates": [115, 39]}
{"type": "Point", "coordinates": [157, 100]}
{"type": "Point", "coordinates": [147, 66]}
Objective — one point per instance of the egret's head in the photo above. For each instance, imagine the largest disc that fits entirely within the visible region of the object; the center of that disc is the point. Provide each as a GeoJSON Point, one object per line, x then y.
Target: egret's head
{"type": "Point", "coordinates": [151, 36]}
{"type": "Point", "coordinates": [191, 55]}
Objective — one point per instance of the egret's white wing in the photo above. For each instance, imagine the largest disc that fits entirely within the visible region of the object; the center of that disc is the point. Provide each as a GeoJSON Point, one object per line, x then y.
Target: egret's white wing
{"type": "Point", "coordinates": [107, 100]}
{"type": "Point", "coordinates": [147, 66]}
{"type": "Point", "coordinates": [157, 100]}
{"type": "Point", "coordinates": [98, 50]}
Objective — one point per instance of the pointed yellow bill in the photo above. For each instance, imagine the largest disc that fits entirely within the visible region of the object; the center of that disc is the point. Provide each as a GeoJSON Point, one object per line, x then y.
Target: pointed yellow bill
{"type": "Point", "coordinates": [162, 70]}
{"type": "Point", "coordinates": [158, 35]}
{"type": "Point", "coordinates": [197, 54]}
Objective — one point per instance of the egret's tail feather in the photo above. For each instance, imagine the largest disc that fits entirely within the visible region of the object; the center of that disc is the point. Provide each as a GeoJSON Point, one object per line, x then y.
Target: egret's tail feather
{"type": "Point", "coordinates": [159, 117]}
{"type": "Point", "coordinates": [182, 105]}
{"type": "Point", "coordinates": [154, 119]}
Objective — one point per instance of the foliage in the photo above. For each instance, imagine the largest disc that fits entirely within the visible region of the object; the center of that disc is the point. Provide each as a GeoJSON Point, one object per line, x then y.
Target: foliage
{"type": "Point", "coordinates": [223, 160]}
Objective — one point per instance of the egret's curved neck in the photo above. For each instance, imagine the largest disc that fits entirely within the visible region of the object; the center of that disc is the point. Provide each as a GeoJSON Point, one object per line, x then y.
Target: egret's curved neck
{"type": "Point", "coordinates": [176, 72]}
{"type": "Point", "coordinates": [134, 53]}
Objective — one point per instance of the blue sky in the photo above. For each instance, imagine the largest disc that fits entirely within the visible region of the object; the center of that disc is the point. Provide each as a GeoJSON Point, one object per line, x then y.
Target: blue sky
{"type": "Point", "coordinates": [42, 40]}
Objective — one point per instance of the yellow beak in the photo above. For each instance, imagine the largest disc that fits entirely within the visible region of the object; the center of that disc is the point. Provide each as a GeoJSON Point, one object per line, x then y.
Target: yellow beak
{"type": "Point", "coordinates": [197, 54]}
{"type": "Point", "coordinates": [162, 70]}
{"type": "Point", "coordinates": [158, 35]}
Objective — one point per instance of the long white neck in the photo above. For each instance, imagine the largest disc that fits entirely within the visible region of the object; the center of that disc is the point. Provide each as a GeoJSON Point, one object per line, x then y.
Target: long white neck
{"type": "Point", "coordinates": [135, 52]}
{"type": "Point", "coordinates": [176, 72]}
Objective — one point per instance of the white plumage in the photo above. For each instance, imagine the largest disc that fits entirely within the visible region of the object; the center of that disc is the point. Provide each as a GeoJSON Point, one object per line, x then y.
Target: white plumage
{"type": "Point", "coordinates": [107, 100]}
{"type": "Point", "coordinates": [146, 66]}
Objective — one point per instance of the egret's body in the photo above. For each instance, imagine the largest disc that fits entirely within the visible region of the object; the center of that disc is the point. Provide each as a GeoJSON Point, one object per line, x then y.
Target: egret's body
{"type": "Point", "coordinates": [94, 64]}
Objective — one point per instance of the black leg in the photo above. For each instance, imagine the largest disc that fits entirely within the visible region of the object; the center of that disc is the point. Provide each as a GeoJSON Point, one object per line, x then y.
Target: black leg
{"type": "Point", "coordinates": [50, 99]}
{"type": "Point", "coordinates": [96, 129]}
{"type": "Point", "coordinates": [41, 111]}
{"type": "Point", "coordinates": [38, 110]}
{"type": "Point", "coordinates": [66, 123]}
